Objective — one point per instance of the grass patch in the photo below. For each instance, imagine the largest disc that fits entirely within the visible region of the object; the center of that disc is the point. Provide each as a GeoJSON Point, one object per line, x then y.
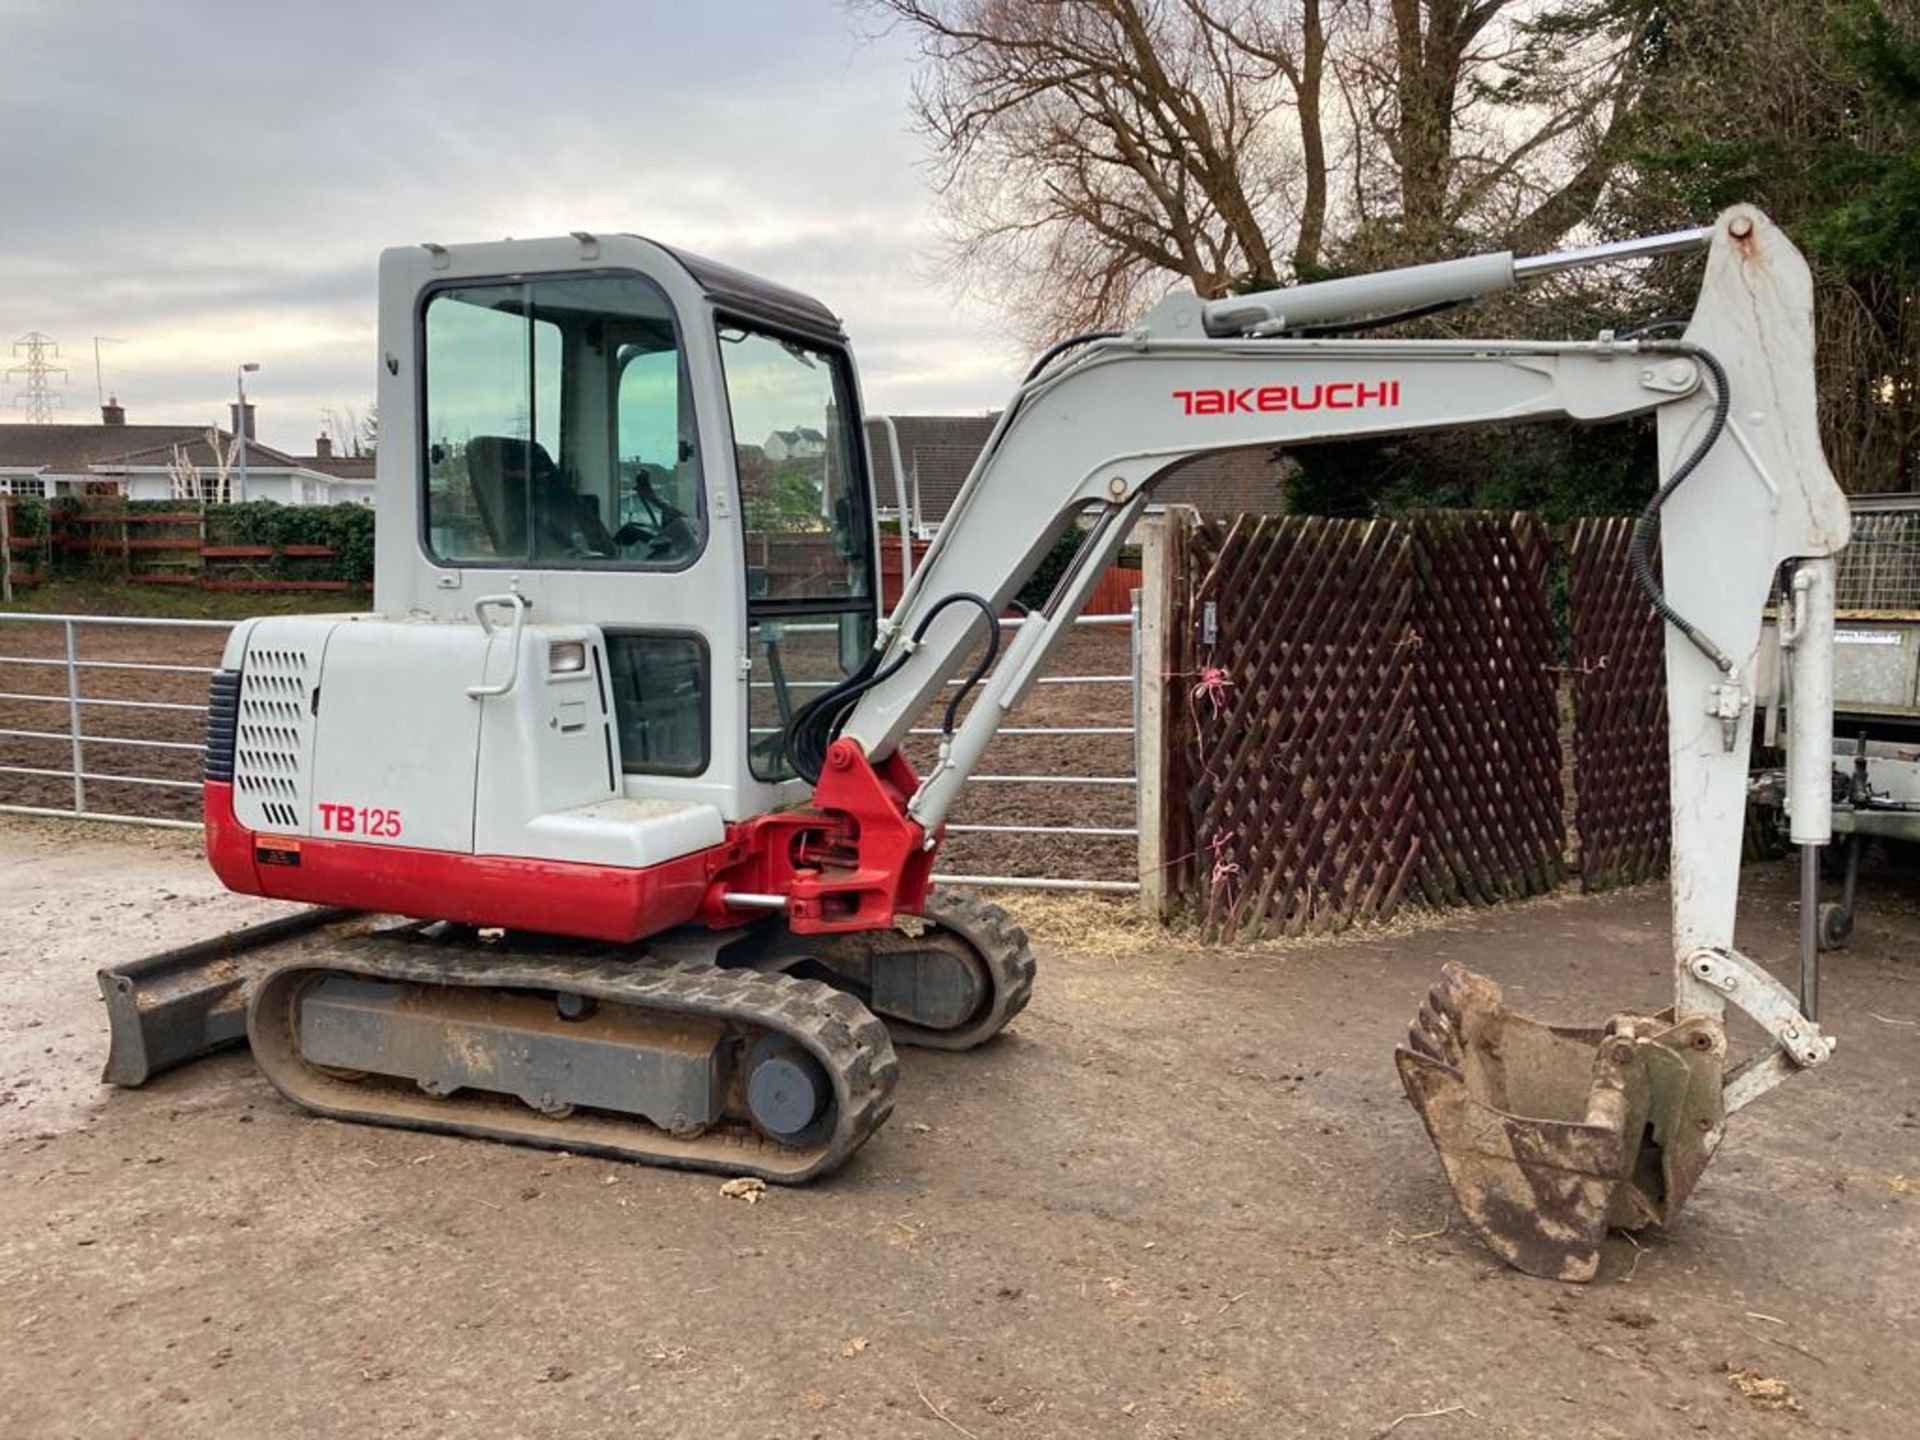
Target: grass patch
{"type": "Point", "coordinates": [99, 597]}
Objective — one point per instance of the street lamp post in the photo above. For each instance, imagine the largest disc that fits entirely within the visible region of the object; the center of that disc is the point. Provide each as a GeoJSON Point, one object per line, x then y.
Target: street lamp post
{"type": "Point", "coordinates": [240, 421]}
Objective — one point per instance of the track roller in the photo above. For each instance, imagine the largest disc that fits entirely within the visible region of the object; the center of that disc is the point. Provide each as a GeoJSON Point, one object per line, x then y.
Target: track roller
{"type": "Point", "coordinates": [735, 1071]}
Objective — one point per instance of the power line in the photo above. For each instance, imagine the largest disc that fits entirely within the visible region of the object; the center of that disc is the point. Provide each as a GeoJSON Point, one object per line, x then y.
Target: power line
{"type": "Point", "coordinates": [39, 399]}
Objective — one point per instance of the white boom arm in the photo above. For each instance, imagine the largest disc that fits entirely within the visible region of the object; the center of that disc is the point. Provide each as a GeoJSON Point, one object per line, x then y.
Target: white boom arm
{"type": "Point", "coordinates": [1097, 431]}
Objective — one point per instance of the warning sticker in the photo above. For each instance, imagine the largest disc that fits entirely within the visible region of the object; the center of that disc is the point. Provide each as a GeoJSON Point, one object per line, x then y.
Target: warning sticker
{"type": "Point", "coordinates": [276, 852]}
{"type": "Point", "coordinates": [1866, 637]}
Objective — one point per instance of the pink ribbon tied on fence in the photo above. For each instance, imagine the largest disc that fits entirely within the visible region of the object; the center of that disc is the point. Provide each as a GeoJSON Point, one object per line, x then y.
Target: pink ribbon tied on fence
{"type": "Point", "coordinates": [1211, 687]}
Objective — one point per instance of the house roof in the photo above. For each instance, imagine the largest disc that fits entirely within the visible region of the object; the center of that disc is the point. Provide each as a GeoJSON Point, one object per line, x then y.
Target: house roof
{"type": "Point", "coordinates": [939, 450]}
{"type": "Point", "coordinates": [1232, 482]}
{"type": "Point", "coordinates": [71, 449]}
{"type": "Point", "coordinates": [340, 467]}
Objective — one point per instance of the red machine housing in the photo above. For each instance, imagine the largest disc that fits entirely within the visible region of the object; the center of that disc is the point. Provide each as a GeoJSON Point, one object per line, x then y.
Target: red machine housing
{"type": "Point", "coordinates": [853, 860]}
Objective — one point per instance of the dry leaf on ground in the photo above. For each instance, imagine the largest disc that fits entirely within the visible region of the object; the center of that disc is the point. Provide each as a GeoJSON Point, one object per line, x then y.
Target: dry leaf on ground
{"type": "Point", "coordinates": [1763, 1390]}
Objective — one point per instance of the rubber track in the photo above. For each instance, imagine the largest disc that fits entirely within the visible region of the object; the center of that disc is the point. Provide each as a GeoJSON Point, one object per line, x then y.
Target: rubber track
{"type": "Point", "coordinates": [1002, 947]}
{"type": "Point", "coordinates": [848, 1040]}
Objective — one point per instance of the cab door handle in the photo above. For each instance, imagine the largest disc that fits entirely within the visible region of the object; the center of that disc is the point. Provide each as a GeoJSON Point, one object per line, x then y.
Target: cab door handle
{"type": "Point", "coordinates": [518, 604]}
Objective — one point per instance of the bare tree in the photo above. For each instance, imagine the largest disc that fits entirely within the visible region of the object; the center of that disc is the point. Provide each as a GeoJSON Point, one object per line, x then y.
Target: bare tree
{"type": "Point", "coordinates": [1091, 150]}
{"type": "Point", "coordinates": [184, 474]}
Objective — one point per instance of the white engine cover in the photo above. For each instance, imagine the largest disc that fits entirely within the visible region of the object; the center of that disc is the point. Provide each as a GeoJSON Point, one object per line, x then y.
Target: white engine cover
{"type": "Point", "coordinates": [394, 760]}
{"type": "Point", "coordinates": [366, 729]}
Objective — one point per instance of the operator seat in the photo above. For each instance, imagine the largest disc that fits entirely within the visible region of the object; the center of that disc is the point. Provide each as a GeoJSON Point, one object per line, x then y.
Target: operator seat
{"type": "Point", "coordinates": [566, 523]}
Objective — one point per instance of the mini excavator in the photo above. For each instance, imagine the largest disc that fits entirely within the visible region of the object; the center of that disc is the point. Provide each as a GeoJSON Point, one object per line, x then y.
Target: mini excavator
{"type": "Point", "coordinates": [602, 814]}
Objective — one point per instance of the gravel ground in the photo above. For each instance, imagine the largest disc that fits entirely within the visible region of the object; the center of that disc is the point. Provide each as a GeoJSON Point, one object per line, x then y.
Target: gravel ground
{"type": "Point", "coordinates": [1181, 1197]}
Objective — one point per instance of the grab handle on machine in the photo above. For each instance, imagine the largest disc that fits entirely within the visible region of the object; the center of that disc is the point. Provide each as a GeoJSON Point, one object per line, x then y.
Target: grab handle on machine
{"type": "Point", "coordinates": [518, 604]}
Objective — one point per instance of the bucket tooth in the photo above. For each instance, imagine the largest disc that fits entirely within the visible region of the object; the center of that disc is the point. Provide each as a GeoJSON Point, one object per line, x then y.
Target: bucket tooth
{"type": "Point", "coordinates": [1549, 1133]}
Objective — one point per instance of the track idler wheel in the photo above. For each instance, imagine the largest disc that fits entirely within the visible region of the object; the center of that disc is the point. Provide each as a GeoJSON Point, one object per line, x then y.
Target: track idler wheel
{"type": "Point", "coordinates": [1549, 1134]}
{"type": "Point", "coordinates": [949, 979]}
{"type": "Point", "coordinates": [788, 1093]}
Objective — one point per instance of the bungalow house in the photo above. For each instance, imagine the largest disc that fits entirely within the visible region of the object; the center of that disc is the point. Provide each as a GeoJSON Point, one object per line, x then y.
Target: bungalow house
{"type": "Point", "coordinates": [349, 477]}
{"type": "Point", "coordinates": [162, 462]}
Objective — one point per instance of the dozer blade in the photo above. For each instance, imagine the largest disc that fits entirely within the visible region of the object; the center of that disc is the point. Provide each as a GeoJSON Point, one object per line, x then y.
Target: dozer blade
{"type": "Point", "coordinates": [1550, 1133]}
{"type": "Point", "coordinates": [164, 1010]}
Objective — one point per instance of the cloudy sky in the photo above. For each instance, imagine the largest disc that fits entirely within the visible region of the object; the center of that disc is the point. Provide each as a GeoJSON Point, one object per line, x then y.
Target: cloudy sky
{"type": "Point", "coordinates": [211, 182]}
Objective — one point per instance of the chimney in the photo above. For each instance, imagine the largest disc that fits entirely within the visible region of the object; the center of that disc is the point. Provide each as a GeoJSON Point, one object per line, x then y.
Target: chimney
{"type": "Point", "coordinates": [233, 413]}
{"type": "Point", "coordinates": [323, 448]}
{"type": "Point", "coordinates": [113, 412]}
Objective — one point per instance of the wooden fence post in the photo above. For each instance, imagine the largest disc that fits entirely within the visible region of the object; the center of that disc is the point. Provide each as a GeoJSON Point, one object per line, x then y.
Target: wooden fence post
{"type": "Point", "coordinates": [1150, 726]}
{"type": "Point", "coordinates": [6, 549]}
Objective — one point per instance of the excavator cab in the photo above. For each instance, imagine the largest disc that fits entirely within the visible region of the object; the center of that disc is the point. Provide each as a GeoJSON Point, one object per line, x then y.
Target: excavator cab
{"type": "Point", "coordinates": [644, 475]}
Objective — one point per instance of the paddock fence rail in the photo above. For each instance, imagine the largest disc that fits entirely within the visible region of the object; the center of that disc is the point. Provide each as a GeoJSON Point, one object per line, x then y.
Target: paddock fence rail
{"type": "Point", "coordinates": [102, 717]}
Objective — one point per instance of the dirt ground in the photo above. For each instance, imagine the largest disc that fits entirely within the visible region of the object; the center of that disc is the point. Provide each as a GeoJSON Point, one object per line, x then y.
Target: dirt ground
{"type": "Point", "coordinates": [1088, 652]}
{"type": "Point", "coordinates": [1182, 1196]}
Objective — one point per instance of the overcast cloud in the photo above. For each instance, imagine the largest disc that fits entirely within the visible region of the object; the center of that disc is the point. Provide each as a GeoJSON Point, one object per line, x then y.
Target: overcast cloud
{"type": "Point", "coordinates": [211, 182]}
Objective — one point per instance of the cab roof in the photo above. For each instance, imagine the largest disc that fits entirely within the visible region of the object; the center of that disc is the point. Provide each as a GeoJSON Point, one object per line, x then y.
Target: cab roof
{"type": "Point", "coordinates": [734, 289]}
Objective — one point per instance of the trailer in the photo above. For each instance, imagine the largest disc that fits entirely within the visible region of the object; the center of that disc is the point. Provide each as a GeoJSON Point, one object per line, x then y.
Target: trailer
{"type": "Point", "coordinates": [1876, 697]}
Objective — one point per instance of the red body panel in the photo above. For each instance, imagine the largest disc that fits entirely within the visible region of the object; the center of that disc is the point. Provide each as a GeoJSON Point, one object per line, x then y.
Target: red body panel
{"type": "Point", "coordinates": [554, 897]}
{"type": "Point", "coordinates": [852, 861]}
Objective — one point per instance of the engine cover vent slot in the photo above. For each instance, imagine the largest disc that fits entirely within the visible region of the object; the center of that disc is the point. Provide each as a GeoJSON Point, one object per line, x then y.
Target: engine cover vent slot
{"type": "Point", "coordinates": [272, 737]}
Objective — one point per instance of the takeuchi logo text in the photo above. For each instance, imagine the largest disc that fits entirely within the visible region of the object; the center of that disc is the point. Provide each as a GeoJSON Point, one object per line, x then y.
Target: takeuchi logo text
{"type": "Point", "coordinates": [1266, 399]}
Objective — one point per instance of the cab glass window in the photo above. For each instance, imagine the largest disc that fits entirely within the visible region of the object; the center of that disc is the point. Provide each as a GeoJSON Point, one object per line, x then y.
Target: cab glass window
{"type": "Point", "coordinates": [560, 427]}
{"type": "Point", "coordinates": [802, 496]}
{"type": "Point", "coordinates": [808, 530]}
{"type": "Point", "coordinates": [659, 701]}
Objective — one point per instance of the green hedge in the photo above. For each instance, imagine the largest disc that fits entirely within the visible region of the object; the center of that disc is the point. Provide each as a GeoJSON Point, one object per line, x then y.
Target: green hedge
{"type": "Point", "coordinates": [347, 528]}
{"type": "Point", "coordinates": [30, 517]}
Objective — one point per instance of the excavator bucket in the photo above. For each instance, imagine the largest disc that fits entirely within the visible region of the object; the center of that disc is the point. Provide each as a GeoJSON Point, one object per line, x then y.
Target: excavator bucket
{"type": "Point", "coordinates": [1549, 1134]}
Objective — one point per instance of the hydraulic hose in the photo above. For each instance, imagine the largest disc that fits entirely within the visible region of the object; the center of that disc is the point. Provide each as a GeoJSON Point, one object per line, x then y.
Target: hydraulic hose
{"type": "Point", "coordinates": [986, 657]}
{"type": "Point", "coordinates": [1055, 351]}
{"type": "Point", "coordinates": [1647, 527]}
{"type": "Point", "coordinates": [813, 726]}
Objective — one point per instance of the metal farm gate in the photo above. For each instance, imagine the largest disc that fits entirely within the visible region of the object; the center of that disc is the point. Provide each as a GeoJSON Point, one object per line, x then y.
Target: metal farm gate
{"type": "Point", "coordinates": [101, 718]}
{"type": "Point", "coordinates": [1305, 724]}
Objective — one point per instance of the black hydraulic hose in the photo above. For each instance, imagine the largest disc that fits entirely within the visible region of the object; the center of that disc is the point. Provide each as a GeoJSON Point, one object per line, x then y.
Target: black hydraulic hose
{"type": "Point", "coordinates": [986, 658]}
{"type": "Point", "coordinates": [1664, 325]}
{"type": "Point", "coordinates": [813, 726]}
{"type": "Point", "coordinates": [808, 734]}
{"type": "Point", "coordinates": [1640, 548]}
{"type": "Point", "coordinates": [1072, 342]}
{"type": "Point", "coordinates": [1375, 322]}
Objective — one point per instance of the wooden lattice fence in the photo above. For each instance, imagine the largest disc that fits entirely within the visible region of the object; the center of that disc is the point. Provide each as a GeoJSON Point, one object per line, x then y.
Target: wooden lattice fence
{"type": "Point", "coordinates": [1361, 709]}
{"type": "Point", "coordinates": [1619, 712]}
{"type": "Point", "coordinates": [1493, 819]}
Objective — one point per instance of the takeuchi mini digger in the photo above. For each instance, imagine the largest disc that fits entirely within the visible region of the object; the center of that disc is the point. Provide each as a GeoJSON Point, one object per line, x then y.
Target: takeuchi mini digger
{"type": "Point", "coordinates": [603, 810]}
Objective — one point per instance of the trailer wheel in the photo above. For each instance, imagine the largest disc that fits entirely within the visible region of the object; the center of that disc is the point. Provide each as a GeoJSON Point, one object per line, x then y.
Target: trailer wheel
{"type": "Point", "coordinates": [1836, 924]}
